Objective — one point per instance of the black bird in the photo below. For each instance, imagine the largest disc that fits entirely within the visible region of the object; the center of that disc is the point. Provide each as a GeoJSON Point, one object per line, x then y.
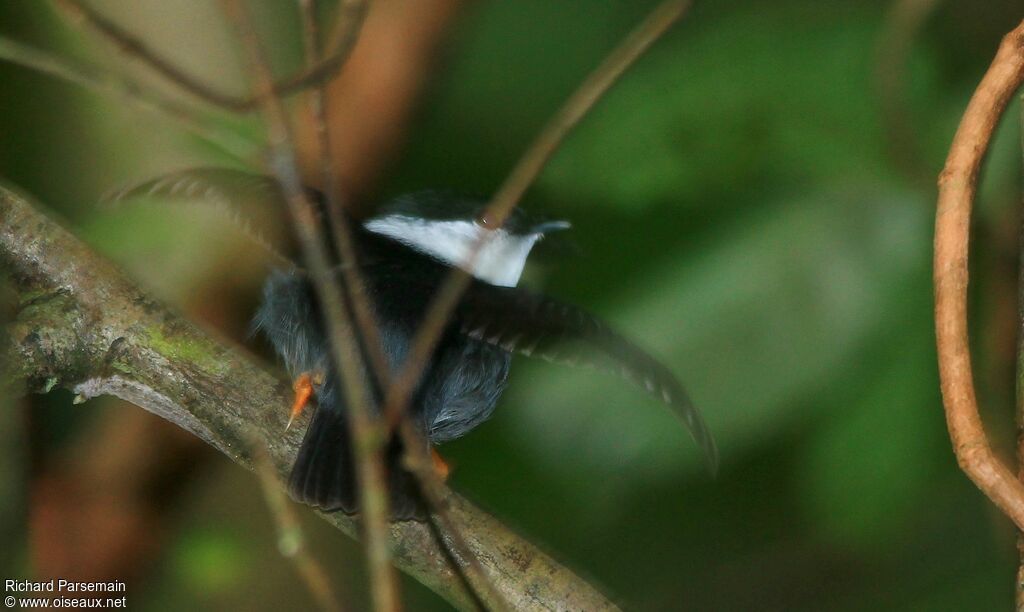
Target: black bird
{"type": "Point", "coordinates": [404, 253]}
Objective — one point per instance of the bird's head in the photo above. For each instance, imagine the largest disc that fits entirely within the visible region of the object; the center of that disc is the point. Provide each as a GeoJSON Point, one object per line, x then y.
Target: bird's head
{"type": "Point", "coordinates": [448, 228]}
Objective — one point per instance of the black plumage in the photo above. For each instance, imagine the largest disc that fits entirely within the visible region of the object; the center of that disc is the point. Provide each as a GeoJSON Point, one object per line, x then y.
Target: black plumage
{"type": "Point", "coordinates": [457, 391]}
{"type": "Point", "coordinates": [469, 370]}
{"type": "Point", "coordinates": [465, 378]}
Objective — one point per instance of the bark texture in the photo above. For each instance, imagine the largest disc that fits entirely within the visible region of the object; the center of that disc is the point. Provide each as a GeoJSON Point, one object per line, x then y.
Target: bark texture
{"type": "Point", "coordinates": [80, 323]}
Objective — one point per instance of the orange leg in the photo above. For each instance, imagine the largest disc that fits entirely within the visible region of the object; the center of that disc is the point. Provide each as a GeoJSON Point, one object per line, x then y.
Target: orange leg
{"type": "Point", "coordinates": [441, 466]}
{"type": "Point", "coordinates": [303, 387]}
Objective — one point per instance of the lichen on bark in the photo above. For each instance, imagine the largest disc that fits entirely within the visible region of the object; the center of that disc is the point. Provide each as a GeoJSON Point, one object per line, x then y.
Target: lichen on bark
{"type": "Point", "coordinates": [80, 323]}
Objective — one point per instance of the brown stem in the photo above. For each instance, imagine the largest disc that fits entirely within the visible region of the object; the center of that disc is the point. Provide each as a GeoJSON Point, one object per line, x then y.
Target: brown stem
{"type": "Point", "coordinates": [343, 38]}
{"type": "Point", "coordinates": [128, 91]}
{"type": "Point", "coordinates": [431, 485]}
{"type": "Point", "coordinates": [957, 188]}
{"type": "Point", "coordinates": [366, 437]}
{"type": "Point", "coordinates": [448, 295]}
{"type": "Point", "coordinates": [373, 99]}
{"type": "Point", "coordinates": [437, 494]}
{"type": "Point", "coordinates": [903, 22]}
{"type": "Point", "coordinates": [82, 325]}
{"type": "Point", "coordinates": [1019, 380]}
{"type": "Point", "coordinates": [339, 225]}
{"type": "Point", "coordinates": [291, 540]}
{"type": "Point", "coordinates": [518, 181]}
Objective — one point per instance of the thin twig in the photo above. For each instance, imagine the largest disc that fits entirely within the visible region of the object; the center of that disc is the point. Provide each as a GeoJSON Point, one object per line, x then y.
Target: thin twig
{"type": "Point", "coordinates": [447, 297]}
{"type": "Point", "coordinates": [123, 89]}
{"type": "Point", "coordinates": [902, 24]}
{"type": "Point", "coordinates": [74, 306]}
{"type": "Point", "coordinates": [957, 188]}
{"type": "Point", "coordinates": [336, 216]}
{"type": "Point", "coordinates": [290, 538]}
{"type": "Point", "coordinates": [422, 469]}
{"type": "Point", "coordinates": [344, 346]}
{"type": "Point", "coordinates": [436, 494]}
{"type": "Point", "coordinates": [518, 181]}
{"type": "Point", "coordinates": [343, 39]}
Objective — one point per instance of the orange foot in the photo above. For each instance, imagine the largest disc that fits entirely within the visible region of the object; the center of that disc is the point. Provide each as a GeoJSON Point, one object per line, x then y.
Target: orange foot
{"type": "Point", "coordinates": [441, 466]}
{"type": "Point", "coordinates": [303, 387]}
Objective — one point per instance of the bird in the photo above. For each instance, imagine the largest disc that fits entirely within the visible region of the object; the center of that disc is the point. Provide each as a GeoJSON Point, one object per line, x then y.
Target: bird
{"type": "Point", "coordinates": [404, 251]}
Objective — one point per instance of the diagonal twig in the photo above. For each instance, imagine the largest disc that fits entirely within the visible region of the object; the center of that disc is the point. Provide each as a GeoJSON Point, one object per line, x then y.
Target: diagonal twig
{"type": "Point", "coordinates": [448, 295]}
{"type": "Point", "coordinates": [430, 485]}
{"type": "Point", "coordinates": [101, 81]}
{"type": "Point", "coordinates": [291, 540]}
{"type": "Point", "coordinates": [958, 185]}
{"type": "Point", "coordinates": [343, 38]}
{"type": "Point", "coordinates": [368, 449]}
{"type": "Point", "coordinates": [518, 181]}
{"type": "Point", "coordinates": [501, 206]}
{"type": "Point", "coordinates": [339, 224]}
{"type": "Point", "coordinates": [73, 306]}
{"type": "Point", "coordinates": [903, 23]}
{"type": "Point", "coordinates": [437, 495]}
{"type": "Point", "coordinates": [433, 490]}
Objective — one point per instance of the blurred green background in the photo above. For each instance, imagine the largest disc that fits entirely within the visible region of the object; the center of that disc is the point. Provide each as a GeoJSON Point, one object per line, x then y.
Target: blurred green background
{"type": "Point", "coordinates": [749, 203]}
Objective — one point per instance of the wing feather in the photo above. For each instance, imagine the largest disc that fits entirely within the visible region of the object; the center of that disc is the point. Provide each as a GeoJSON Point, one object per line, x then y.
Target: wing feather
{"type": "Point", "coordinates": [226, 190]}
{"type": "Point", "coordinates": [534, 325]}
{"type": "Point", "coordinates": [223, 186]}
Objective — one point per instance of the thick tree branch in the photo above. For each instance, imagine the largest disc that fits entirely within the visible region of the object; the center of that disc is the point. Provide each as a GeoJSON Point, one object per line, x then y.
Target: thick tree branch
{"type": "Point", "coordinates": [958, 185]}
{"type": "Point", "coordinates": [81, 324]}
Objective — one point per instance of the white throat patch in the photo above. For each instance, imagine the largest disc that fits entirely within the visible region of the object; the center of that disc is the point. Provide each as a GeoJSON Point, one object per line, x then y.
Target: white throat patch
{"type": "Point", "coordinates": [500, 262]}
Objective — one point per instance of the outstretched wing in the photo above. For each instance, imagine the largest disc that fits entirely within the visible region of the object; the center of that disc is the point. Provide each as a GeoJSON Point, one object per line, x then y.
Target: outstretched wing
{"type": "Point", "coordinates": [524, 322]}
{"type": "Point", "coordinates": [221, 186]}
{"type": "Point", "coordinates": [240, 196]}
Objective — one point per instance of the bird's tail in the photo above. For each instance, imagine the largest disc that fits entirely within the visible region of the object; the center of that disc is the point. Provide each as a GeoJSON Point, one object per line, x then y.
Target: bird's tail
{"type": "Point", "coordinates": [324, 471]}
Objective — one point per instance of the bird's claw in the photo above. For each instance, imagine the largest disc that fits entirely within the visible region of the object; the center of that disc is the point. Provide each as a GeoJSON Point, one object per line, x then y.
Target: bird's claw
{"type": "Point", "coordinates": [441, 467]}
{"type": "Point", "coordinates": [303, 387]}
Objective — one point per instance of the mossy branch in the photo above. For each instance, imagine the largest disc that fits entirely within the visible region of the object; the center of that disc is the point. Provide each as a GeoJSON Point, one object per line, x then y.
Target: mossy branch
{"type": "Point", "coordinates": [80, 323]}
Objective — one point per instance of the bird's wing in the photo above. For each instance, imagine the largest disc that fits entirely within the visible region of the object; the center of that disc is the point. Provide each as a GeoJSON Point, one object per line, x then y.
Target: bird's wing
{"type": "Point", "coordinates": [224, 186]}
{"type": "Point", "coordinates": [523, 322]}
{"type": "Point", "coordinates": [240, 196]}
